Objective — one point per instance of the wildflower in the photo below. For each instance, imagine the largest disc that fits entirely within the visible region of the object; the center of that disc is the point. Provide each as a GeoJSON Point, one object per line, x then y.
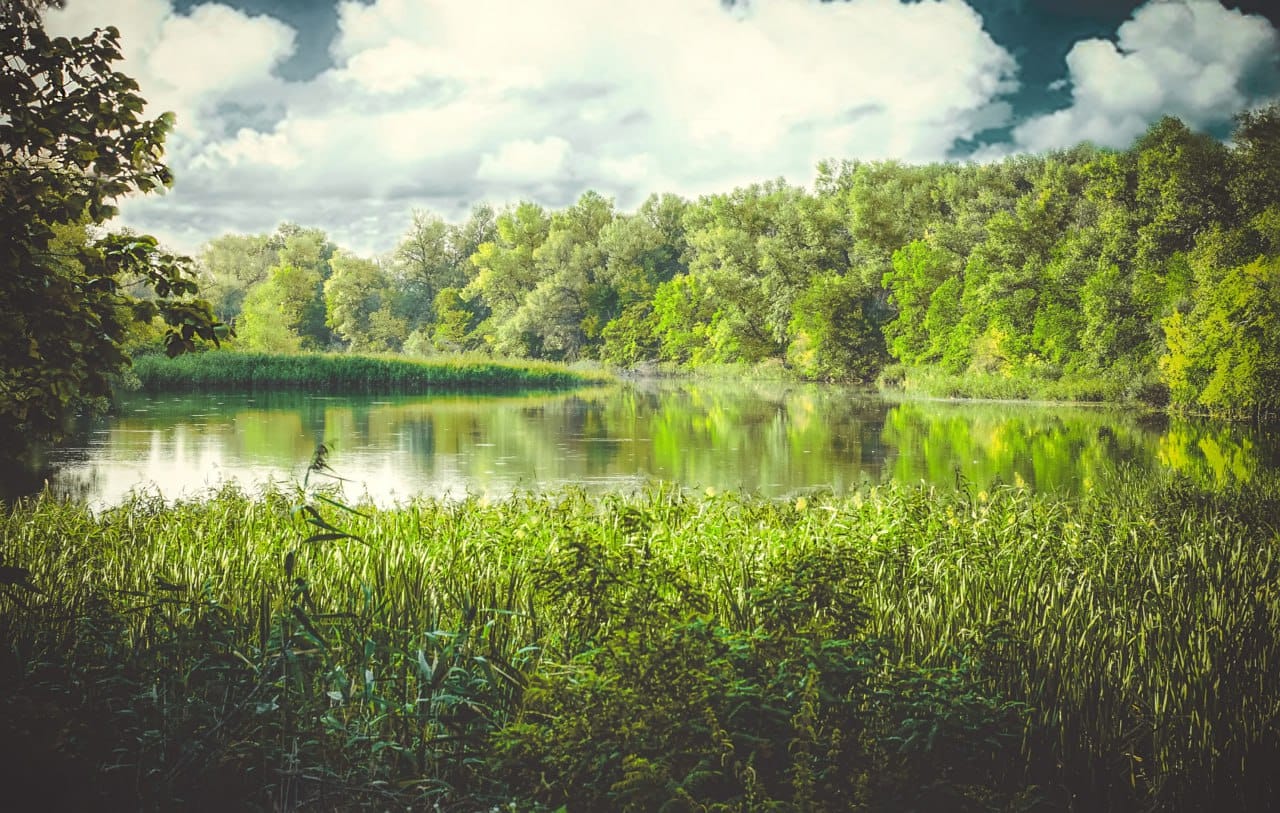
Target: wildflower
{"type": "Point", "coordinates": [801, 504]}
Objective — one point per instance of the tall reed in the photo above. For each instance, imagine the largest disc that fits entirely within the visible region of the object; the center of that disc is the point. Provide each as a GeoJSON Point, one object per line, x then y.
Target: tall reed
{"type": "Point", "coordinates": [341, 373]}
{"type": "Point", "coordinates": [380, 655]}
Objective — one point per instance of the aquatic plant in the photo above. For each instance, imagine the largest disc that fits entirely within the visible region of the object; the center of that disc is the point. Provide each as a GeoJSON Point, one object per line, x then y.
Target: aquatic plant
{"type": "Point", "coordinates": [898, 647]}
{"type": "Point", "coordinates": [345, 373]}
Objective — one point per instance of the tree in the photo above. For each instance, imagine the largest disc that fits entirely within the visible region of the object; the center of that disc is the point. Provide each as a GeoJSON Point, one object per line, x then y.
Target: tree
{"type": "Point", "coordinates": [506, 268]}
{"type": "Point", "coordinates": [355, 296]}
{"type": "Point", "coordinates": [835, 337]}
{"type": "Point", "coordinates": [1224, 355]}
{"type": "Point", "coordinates": [230, 265]}
{"type": "Point", "coordinates": [572, 301]}
{"type": "Point", "coordinates": [261, 325]}
{"type": "Point", "coordinates": [919, 269]}
{"type": "Point", "coordinates": [278, 315]}
{"type": "Point", "coordinates": [459, 312]}
{"type": "Point", "coordinates": [424, 265]}
{"type": "Point", "coordinates": [72, 142]}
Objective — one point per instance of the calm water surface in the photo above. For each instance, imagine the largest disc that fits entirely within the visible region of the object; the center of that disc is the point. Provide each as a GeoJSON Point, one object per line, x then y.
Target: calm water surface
{"type": "Point", "coordinates": [773, 440]}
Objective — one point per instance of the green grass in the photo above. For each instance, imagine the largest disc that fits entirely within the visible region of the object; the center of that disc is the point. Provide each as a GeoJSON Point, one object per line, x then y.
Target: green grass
{"type": "Point", "coordinates": [1022, 385]}
{"type": "Point", "coordinates": [899, 648]}
{"type": "Point", "coordinates": [340, 373]}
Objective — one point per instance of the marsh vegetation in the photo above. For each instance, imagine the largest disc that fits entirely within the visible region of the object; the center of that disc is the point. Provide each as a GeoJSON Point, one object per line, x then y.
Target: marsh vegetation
{"type": "Point", "coordinates": [896, 647]}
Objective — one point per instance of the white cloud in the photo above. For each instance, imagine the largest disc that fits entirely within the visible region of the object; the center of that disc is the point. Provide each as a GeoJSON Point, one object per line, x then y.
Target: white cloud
{"type": "Point", "coordinates": [441, 103]}
{"type": "Point", "coordinates": [187, 64]}
{"type": "Point", "coordinates": [393, 67]}
{"type": "Point", "coordinates": [1187, 58]}
{"type": "Point", "coordinates": [525, 162]}
{"type": "Point", "coordinates": [216, 49]}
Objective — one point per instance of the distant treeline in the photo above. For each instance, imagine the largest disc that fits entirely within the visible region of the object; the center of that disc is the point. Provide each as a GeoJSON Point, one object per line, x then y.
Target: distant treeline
{"type": "Point", "coordinates": [1149, 273]}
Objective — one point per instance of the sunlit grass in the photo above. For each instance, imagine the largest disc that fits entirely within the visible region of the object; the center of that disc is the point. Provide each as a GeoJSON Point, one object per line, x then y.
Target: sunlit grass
{"type": "Point", "coordinates": [1024, 385]}
{"type": "Point", "coordinates": [1138, 624]}
{"type": "Point", "coordinates": [344, 373]}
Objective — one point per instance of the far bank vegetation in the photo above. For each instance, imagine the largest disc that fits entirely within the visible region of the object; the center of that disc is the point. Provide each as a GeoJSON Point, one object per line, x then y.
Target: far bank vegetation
{"type": "Point", "coordinates": [1151, 273]}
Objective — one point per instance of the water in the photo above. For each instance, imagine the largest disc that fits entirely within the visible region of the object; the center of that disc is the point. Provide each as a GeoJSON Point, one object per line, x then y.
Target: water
{"type": "Point", "coordinates": [772, 440]}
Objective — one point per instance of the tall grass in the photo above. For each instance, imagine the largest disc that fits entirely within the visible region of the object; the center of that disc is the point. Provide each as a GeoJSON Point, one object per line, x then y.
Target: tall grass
{"type": "Point", "coordinates": [340, 373]}
{"type": "Point", "coordinates": [1047, 384]}
{"type": "Point", "coordinates": [1118, 652]}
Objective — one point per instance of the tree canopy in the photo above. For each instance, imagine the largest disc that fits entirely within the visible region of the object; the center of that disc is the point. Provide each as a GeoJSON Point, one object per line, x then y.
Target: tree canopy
{"type": "Point", "coordinates": [73, 141]}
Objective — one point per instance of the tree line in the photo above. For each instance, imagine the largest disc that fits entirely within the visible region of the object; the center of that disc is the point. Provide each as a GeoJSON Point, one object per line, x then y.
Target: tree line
{"type": "Point", "coordinates": [1152, 271]}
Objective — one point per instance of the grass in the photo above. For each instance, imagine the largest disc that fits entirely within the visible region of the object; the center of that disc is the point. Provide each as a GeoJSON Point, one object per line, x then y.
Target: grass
{"type": "Point", "coordinates": [1022, 385]}
{"type": "Point", "coordinates": [341, 373]}
{"type": "Point", "coordinates": [899, 648]}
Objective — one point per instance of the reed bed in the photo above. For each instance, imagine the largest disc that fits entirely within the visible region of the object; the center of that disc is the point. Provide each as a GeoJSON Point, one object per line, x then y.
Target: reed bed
{"type": "Point", "coordinates": [896, 648]}
{"type": "Point", "coordinates": [343, 373]}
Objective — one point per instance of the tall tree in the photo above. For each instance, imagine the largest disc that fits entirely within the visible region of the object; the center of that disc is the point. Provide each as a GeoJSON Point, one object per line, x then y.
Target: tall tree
{"type": "Point", "coordinates": [73, 141]}
{"type": "Point", "coordinates": [506, 268]}
{"type": "Point", "coordinates": [228, 266]}
{"type": "Point", "coordinates": [358, 302]}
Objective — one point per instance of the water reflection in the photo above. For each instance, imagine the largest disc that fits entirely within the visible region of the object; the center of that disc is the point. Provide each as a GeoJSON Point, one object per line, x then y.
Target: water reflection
{"type": "Point", "coordinates": [767, 439]}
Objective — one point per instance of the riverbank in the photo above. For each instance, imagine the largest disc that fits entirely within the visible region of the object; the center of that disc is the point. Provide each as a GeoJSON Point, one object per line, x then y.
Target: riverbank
{"type": "Point", "coordinates": [934, 382]}
{"type": "Point", "coordinates": [895, 648]}
{"type": "Point", "coordinates": [344, 373]}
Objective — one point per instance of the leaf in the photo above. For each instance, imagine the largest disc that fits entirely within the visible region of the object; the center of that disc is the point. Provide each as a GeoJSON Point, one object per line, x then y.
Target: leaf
{"type": "Point", "coordinates": [309, 627]}
{"type": "Point", "coordinates": [426, 670]}
{"type": "Point", "coordinates": [326, 537]}
{"type": "Point", "coordinates": [172, 587]}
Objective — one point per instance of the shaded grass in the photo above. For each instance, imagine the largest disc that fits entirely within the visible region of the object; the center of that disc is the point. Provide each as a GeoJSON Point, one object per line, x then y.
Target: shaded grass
{"type": "Point", "coordinates": [340, 373]}
{"type": "Point", "coordinates": [897, 648]}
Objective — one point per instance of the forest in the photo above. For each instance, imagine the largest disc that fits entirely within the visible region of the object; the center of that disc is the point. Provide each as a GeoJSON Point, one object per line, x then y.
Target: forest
{"type": "Point", "coordinates": [1148, 274]}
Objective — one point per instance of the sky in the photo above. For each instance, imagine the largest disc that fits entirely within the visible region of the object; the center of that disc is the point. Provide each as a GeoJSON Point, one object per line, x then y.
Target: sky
{"type": "Point", "coordinates": [351, 114]}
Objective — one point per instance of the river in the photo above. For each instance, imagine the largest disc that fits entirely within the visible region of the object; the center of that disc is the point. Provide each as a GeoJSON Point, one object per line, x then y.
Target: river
{"type": "Point", "coordinates": [769, 439]}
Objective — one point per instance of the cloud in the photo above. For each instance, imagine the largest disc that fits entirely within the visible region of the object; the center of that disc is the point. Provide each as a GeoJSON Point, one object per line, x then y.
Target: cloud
{"type": "Point", "coordinates": [442, 104]}
{"type": "Point", "coordinates": [525, 162]}
{"type": "Point", "coordinates": [188, 64]}
{"type": "Point", "coordinates": [1188, 58]}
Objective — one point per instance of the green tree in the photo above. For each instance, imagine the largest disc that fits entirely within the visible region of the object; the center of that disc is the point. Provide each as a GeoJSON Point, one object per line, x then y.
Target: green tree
{"type": "Point", "coordinates": [73, 141]}
{"type": "Point", "coordinates": [643, 251]}
{"type": "Point", "coordinates": [724, 234]}
{"type": "Point", "coordinates": [357, 299]}
{"type": "Point", "coordinates": [918, 270]}
{"type": "Point", "coordinates": [836, 338]}
{"type": "Point", "coordinates": [682, 314]}
{"type": "Point", "coordinates": [1224, 354]}
{"type": "Point", "coordinates": [261, 325]}
{"type": "Point", "coordinates": [309, 251]}
{"type": "Point", "coordinates": [808, 237]}
{"type": "Point", "coordinates": [278, 314]}
{"type": "Point", "coordinates": [428, 259]}
{"type": "Point", "coordinates": [561, 318]}
{"type": "Point", "coordinates": [230, 265]}
{"type": "Point", "coordinates": [506, 270]}
{"type": "Point", "coordinates": [459, 314]}
{"type": "Point", "coordinates": [1256, 160]}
